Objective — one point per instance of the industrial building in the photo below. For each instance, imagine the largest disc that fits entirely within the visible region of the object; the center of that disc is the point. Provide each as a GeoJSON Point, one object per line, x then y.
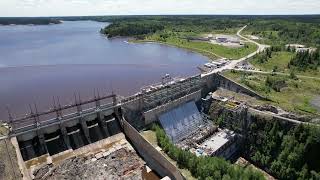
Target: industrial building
{"type": "Point", "coordinates": [300, 48]}
{"type": "Point", "coordinates": [190, 130]}
{"type": "Point", "coordinates": [226, 39]}
{"type": "Point", "coordinates": [207, 67]}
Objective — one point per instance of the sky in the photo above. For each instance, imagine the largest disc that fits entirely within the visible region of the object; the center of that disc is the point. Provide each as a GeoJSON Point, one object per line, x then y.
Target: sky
{"type": "Point", "coordinates": [12, 8]}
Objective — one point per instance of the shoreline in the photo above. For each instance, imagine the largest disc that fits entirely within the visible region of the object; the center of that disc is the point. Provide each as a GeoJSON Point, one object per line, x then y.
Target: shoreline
{"type": "Point", "coordinates": [211, 56]}
{"type": "Point", "coordinates": [32, 24]}
{"type": "Point", "coordinates": [132, 40]}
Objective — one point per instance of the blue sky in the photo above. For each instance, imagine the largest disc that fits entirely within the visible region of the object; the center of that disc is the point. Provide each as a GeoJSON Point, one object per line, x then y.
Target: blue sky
{"type": "Point", "coordinates": [130, 7]}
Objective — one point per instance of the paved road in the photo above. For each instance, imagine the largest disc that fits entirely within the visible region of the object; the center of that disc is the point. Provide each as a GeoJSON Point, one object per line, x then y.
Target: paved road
{"type": "Point", "coordinates": [233, 63]}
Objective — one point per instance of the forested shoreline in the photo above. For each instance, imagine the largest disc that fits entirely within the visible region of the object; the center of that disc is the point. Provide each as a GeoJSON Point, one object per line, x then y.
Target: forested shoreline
{"type": "Point", "coordinates": [28, 21]}
{"type": "Point", "coordinates": [274, 29]}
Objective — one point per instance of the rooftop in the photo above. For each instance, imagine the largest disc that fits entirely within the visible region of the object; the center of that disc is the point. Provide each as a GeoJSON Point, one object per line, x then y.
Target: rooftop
{"type": "Point", "coordinates": [218, 140]}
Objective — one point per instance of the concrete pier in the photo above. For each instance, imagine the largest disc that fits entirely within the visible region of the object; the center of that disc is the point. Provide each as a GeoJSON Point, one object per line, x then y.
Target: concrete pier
{"type": "Point", "coordinates": [85, 131]}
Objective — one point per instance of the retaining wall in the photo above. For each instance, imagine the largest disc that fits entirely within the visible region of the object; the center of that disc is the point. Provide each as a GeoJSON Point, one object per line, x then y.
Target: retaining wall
{"type": "Point", "coordinates": [155, 160]}
{"type": "Point", "coordinates": [231, 85]}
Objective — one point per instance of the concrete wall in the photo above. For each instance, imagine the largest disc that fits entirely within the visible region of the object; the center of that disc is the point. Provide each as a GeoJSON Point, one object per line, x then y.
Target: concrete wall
{"type": "Point", "coordinates": [267, 115]}
{"type": "Point", "coordinates": [209, 83]}
{"type": "Point", "coordinates": [133, 103]}
{"type": "Point", "coordinates": [56, 125]}
{"type": "Point", "coordinates": [154, 158]}
{"type": "Point", "coordinates": [152, 115]}
{"type": "Point", "coordinates": [231, 85]}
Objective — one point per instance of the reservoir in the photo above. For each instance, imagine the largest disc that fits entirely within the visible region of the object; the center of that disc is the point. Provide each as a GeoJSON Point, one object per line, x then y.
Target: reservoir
{"type": "Point", "coordinates": [39, 62]}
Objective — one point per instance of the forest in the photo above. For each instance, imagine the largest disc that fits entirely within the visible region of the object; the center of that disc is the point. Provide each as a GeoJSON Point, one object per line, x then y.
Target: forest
{"type": "Point", "coordinates": [204, 167]}
{"type": "Point", "coordinates": [284, 31]}
{"type": "Point", "coordinates": [131, 29]}
{"type": "Point", "coordinates": [286, 152]}
{"type": "Point", "coordinates": [177, 24]}
{"type": "Point", "coordinates": [275, 29]}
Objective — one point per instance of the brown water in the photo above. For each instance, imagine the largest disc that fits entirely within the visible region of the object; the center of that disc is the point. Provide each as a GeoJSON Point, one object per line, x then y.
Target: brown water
{"type": "Point", "coordinates": [39, 62]}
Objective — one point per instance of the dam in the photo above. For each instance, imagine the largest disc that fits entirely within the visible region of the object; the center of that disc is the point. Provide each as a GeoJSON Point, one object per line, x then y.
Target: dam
{"type": "Point", "coordinates": [61, 130]}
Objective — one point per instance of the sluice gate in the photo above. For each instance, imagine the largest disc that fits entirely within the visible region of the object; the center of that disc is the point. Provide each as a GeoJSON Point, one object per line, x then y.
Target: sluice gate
{"type": "Point", "coordinates": [70, 131]}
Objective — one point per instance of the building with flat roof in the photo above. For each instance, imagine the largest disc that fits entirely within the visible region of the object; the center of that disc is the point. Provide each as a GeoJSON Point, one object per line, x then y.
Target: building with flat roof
{"type": "Point", "coordinates": [227, 39]}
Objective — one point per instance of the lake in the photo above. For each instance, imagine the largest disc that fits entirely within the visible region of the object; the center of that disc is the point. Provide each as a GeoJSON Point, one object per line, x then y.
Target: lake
{"type": "Point", "coordinates": [39, 62]}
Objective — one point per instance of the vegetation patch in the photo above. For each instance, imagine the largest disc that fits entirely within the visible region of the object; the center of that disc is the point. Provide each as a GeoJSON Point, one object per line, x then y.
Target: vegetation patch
{"type": "Point", "coordinates": [9, 168]}
{"type": "Point", "coordinates": [306, 60]}
{"type": "Point", "coordinates": [204, 167]}
{"type": "Point", "coordinates": [286, 30]}
{"type": "Point", "coordinates": [131, 29]}
{"type": "Point", "coordinates": [204, 47]}
{"type": "Point", "coordinates": [177, 33]}
{"type": "Point", "coordinates": [283, 151]}
{"type": "Point", "coordinates": [287, 92]}
{"type": "Point", "coordinates": [287, 60]}
{"type": "Point", "coordinates": [268, 62]}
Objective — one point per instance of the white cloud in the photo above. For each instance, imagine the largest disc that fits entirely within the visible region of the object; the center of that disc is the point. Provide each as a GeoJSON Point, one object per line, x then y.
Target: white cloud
{"type": "Point", "coordinates": [124, 7]}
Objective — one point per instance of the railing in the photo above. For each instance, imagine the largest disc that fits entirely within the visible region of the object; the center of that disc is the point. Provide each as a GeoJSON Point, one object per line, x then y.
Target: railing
{"type": "Point", "coordinates": [32, 121]}
{"type": "Point", "coordinates": [152, 97]}
{"type": "Point", "coordinates": [55, 121]}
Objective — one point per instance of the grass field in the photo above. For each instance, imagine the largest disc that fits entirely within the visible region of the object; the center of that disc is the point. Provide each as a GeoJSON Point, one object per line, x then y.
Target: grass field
{"type": "Point", "coordinates": [281, 60]}
{"type": "Point", "coordinates": [295, 96]}
{"type": "Point", "coordinates": [213, 51]}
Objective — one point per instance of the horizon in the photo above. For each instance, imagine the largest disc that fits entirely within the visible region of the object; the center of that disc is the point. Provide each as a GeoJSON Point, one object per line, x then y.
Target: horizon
{"type": "Point", "coordinates": [66, 8]}
{"type": "Point", "coordinates": [122, 15]}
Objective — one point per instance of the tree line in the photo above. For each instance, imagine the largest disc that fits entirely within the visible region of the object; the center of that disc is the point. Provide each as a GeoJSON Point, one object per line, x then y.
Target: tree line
{"type": "Point", "coordinates": [287, 31]}
{"type": "Point", "coordinates": [279, 29]}
{"type": "Point", "coordinates": [131, 29]}
{"type": "Point", "coordinates": [204, 167]}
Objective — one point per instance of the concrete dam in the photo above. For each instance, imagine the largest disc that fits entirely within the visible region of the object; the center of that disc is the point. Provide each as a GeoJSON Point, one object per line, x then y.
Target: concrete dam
{"type": "Point", "coordinates": [71, 127]}
{"type": "Point", "coordinates": [38, 136]}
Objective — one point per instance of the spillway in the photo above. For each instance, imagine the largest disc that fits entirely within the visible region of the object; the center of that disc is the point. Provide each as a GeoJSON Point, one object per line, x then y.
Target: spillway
{"type": "Point", "coordinates": [181, 121]}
